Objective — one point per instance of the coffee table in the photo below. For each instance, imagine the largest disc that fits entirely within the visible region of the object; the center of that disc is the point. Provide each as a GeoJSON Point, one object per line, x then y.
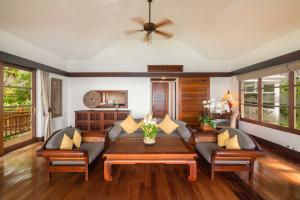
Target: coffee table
{"type": "Point", "coordinates": [164, 151]}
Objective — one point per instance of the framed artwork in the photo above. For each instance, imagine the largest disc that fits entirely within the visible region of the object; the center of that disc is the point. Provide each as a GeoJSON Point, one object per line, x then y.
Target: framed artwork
{"type": "Point", "coordinates": [56, 97]}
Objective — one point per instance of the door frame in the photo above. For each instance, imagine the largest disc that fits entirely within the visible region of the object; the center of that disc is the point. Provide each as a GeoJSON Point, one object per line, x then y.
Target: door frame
{"type": "Point", "coordinates": [33, 109]}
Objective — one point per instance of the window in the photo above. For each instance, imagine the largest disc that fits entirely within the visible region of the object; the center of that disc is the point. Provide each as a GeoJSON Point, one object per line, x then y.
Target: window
{"type": "Point", "coordinates": [249, 99]}
{"type": "Point", "coordinates": [296, 105]}
{"type": "Point", "coordinates": [275, 93]}
{"type": "Point", "coordinates": [270, 97]}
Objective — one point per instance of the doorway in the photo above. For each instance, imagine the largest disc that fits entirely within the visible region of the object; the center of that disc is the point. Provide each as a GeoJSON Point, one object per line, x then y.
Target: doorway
{"type": "Point", "coordinates": [17, 105]}
{"type": "Point", "coordinates": [163, 98]}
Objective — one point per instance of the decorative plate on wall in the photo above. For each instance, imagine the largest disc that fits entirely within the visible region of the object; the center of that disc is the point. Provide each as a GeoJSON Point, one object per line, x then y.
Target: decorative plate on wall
{"type": "Point", "coordinates": [92, 99]}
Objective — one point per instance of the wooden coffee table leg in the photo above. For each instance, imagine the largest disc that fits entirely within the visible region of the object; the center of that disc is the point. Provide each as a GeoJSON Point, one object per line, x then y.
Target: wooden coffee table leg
{"type": "Point", "coordinates": [193, 171]}
{"type": "Point", "coordinates": [107, 171]}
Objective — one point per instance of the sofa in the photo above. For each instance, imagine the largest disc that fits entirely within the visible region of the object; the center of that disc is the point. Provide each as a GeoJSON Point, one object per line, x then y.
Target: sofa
{"type": "Point", "coordinates": [181, 132]}
{"type": "Point", "coordinates": [222, 159]}
{"type": "Point", "coordinates": [75, 160]}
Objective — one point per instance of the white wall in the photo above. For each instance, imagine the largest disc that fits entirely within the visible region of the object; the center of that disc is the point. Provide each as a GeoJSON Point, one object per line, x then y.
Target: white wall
{"type": "Point", "coordinates": [279, 137]}
{"type": "Point", "coordinates": [138, 93]}
{"type": "Point", "coordinates": [58, 122]}
{"type": "Point", "coordinates": [220, 86]}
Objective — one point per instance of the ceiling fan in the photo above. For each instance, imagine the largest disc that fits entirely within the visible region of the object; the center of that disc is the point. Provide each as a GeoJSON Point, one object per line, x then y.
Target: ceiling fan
{"type": "Point", "coordinates": [150, 27]}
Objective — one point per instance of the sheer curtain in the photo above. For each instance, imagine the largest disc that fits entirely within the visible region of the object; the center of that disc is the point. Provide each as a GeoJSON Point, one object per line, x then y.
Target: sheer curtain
{"type": "Point", "coordinates": [45, 94]}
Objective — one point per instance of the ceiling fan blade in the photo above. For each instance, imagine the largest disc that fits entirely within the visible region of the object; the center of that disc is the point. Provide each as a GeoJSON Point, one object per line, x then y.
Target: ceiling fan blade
{"type": "Point", "coordinates": [147, 37]}
{"type": "Point", "coordinates": [139, 20]}
{"type": "Point", "coordinates": [164, 22]}
{"type": "Point", "coordinates": [164, 34]}
{"type": "Point", "coordinates": [130, 32]}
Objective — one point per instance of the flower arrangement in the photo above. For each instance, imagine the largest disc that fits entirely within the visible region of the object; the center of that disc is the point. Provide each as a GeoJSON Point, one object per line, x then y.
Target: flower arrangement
{"type": "Point", "coordinates": [212, 107]}
{"type": "Point", "coordinates": [150, 129]}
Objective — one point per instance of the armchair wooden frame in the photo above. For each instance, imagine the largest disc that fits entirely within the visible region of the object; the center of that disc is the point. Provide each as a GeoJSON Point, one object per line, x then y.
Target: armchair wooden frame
{"type": "Point", "coordinates": [69, 155]}
{"type": "Point", "coordinates": [249, 156]}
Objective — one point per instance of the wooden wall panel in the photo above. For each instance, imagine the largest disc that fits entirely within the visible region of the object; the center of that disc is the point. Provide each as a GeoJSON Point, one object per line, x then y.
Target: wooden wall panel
{"type": "Point", "coordinates": [191, 93]}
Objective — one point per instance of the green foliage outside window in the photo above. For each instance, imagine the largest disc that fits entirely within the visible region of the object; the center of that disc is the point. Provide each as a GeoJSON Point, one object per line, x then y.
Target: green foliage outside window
{"type": "Point", "coordinates": [17, 87]}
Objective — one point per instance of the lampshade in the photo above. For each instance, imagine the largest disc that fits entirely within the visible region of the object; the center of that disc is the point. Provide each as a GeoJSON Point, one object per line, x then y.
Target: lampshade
{"type": "Point", "coordinates": [228, 97]}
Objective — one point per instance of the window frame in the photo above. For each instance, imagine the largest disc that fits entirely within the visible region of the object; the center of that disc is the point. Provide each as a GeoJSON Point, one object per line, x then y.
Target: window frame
{"type": "Point", "coordinates": [291, 107]}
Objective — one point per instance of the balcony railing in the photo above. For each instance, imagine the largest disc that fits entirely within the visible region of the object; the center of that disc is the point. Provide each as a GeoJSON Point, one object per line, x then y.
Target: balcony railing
{"type": "Point", "coordinates": [16, 124]}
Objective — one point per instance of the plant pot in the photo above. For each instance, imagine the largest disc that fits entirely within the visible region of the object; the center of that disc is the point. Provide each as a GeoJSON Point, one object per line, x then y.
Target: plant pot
{"type": "Point", "coordinates": [206, 127]}
{"type": "Point", "coordinates": [149, 141]}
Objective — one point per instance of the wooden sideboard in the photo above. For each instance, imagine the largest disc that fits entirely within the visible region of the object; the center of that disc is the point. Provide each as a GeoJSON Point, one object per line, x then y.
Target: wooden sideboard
{"type": "Point", "coordinates": [98, 120]}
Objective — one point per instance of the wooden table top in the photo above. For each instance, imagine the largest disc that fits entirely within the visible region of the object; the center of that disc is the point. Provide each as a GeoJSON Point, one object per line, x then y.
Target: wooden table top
{"type": "Point", "coordinates": [137, 146]}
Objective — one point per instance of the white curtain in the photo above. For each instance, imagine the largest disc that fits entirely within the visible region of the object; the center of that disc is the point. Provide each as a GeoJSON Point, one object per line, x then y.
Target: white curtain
{"type": "Point", "coordinates": [45, 87]}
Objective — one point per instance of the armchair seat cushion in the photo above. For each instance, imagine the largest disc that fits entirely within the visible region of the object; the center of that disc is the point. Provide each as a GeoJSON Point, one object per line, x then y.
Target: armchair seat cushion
{"type": "Point", "coordinates": [207, 148]}
{"type": "Point", "coordinates": [93, 149]}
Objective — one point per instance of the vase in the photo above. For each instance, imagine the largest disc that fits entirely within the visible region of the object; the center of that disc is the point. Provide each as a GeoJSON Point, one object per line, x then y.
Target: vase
{"type": "Point", "coordinates": [149, 141]}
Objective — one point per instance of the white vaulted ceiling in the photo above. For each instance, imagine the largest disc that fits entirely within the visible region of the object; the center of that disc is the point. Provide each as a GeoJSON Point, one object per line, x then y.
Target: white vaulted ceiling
{"type": "Point", "coordinates": [227, 31]}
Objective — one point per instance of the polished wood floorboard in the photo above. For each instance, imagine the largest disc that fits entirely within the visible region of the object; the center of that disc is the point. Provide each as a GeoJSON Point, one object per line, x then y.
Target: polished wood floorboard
{"type": "Point", "coordinates": [23, 176]}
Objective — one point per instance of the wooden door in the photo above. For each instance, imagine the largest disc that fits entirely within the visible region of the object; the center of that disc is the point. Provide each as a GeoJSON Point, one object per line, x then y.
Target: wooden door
{"type": "Point", "coordinates": [192, 92]}
{"type": "Point", "coordinates": [160, 99]}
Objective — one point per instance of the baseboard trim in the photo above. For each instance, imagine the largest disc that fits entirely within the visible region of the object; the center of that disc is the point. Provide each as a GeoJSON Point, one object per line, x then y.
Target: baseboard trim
{"type": "Point", "coordinates": [23, 144]}
{"type": "Point", "coordinates": [285, 152]}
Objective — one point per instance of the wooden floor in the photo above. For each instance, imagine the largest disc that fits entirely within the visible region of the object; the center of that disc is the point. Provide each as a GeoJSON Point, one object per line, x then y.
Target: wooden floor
{"type": "Point", "coordinates": [23, 176]}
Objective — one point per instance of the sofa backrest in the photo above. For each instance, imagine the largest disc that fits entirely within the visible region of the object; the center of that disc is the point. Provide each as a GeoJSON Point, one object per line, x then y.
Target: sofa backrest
{"type": "Point", "coordinates": [55, 140]}
{"type": "Point", "coordinates": [116, 131]}
{"type": "Point", "coordinates": [244, 140]}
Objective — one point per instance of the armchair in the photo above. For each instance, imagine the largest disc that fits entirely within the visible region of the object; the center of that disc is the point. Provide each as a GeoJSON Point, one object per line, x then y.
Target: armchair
{"type": "Point", "coordinates": [75, 160]}
{"type": "Point", "coordinates": [222, 159]}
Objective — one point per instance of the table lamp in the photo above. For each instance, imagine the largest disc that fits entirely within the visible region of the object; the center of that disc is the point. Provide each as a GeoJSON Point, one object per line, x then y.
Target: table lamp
{"type": "Point", "coordinates": [229, 98]}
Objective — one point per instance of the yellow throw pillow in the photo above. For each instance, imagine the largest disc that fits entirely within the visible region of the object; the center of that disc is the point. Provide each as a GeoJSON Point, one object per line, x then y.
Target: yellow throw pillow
{"type": "Point", "coordinates": [232, 143]}
{"type": "Point", "coordinates": [222, 137]}
{"type": "Point", "coordinates": [77, 138]}
{"type": "Point", "coordinates": [129, 125]}
{"type": "Point", "coordinates": [167, 125]}
{"type": "Point", "coordinates": [141, 123]}
{"type": "Point", "coordinates": [66, 143]}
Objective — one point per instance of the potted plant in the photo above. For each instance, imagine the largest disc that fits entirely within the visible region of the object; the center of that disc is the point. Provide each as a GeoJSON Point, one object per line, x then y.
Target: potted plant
{"type": "Point", "coordinates": [150, 130]}
{"type": "Point", "coordinates": [207, 123]}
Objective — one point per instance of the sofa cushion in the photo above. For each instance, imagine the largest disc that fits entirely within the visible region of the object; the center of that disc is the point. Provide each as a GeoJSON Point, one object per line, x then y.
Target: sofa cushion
{"type": "Point", "coordinates": [244, 140]}
{"type": "Point", "coordinates": [66, 143]}
{"type": "Point", "coordinates": [55, 140]}
{"type": "Point", "coordinates": [168, 125]}
{"type": "Point", "coordinates": [232, 143]}
{"type": "Point", "coordinates": [184, 132]}
{"type": "Point", "coordinates": [222, 138]}
{"type": "Point", "coordinates": [129, 125]}
{"type": "Point", "coordinates": [115, 132]}
{"type": "Point", "coordinates": [77, 138]}
{"type": "Point", "coordinates": [93, 149]}
{"type": "Point", "coordinates": [207, 148]}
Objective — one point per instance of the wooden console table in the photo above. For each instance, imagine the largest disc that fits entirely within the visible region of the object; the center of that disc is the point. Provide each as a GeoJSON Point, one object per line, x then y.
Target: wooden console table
{"type": "Point", "coordinates": [98, 120]}
{"type": "Point", "coordinates": [164, 151]}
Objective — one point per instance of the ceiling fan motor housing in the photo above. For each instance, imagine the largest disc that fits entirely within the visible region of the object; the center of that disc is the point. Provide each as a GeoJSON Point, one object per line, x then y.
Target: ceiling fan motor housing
{"type": "Point", "coordinates": [150, 27]}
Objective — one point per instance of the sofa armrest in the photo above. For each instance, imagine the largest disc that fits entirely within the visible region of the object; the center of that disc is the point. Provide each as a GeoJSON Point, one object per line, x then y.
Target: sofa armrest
{"type": "Point", "coordinates": [94, 136]}
{"type": "Point", "coordinates": [238, 153]}
{"type": "Point", "coordinates": [61, 153]}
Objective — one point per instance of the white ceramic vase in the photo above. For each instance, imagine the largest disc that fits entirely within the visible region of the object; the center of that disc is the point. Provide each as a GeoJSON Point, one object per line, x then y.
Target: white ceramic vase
{"type": "Point", "coordinates": [149, 141]}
